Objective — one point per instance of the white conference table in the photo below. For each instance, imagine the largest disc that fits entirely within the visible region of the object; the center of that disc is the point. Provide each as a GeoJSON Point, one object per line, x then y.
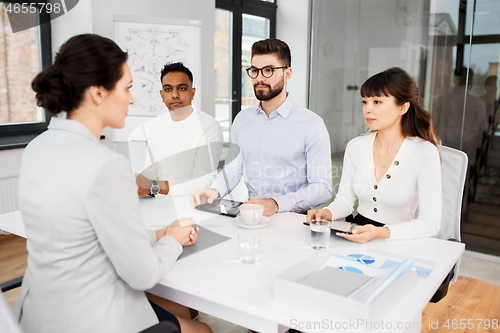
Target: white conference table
{"type": "Point", "coordinates": [215, 282]}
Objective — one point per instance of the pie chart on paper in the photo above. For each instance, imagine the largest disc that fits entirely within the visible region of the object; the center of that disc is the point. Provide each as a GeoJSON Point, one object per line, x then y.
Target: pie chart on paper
{"type": "Point", "coordinates": [364, 259]}
{"type": "Point", "coordinates": [351, 269]}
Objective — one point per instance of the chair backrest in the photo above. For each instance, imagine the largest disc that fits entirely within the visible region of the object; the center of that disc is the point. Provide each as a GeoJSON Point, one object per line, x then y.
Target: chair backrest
{"type": "Point", "coordinates": [453, 172]}
{"type": "Point", "coordinates": [8, 323]}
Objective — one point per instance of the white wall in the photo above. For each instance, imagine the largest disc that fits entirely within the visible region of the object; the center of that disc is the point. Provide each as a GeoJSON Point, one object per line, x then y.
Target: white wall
{"type": "Point", "coordinates": [292, 26]}
{"type": "Point", "coordinates": [77, 21]}
{"type": "Point", "coordinates": [10, 162]}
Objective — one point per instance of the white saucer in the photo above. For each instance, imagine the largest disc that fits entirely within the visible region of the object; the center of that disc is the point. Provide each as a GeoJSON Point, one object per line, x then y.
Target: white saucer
{"type": "Point", "coordinates": [264, 222]}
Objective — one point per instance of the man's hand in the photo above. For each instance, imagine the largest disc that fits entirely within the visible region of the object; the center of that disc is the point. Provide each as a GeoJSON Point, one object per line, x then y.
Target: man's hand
{"type": "Point", "coordinates": [203, 195]}
{"type": "Point", "coordinates": [270, 206]}
{"type": "Point", "coordinates": [181, 230]}
{"type": "Point", "coordinates": [364, 233]}
{"type": "Point", "coordinates": [319, 214]}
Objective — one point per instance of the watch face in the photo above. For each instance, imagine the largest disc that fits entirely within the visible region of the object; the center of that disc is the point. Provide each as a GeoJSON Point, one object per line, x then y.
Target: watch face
{"type": "Point", "coordinates": [155, 188]}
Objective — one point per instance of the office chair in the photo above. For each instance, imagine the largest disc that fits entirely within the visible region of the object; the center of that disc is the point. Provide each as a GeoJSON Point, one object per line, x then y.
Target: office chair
{"type": "Point", "coordinates": [453, 172]}
{"type": "Point", "coordinates": [8, 323]}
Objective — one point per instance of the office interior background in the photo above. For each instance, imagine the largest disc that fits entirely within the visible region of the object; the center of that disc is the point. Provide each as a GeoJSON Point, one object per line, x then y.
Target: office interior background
{"type": "Point", "coordinates": [336, 45]}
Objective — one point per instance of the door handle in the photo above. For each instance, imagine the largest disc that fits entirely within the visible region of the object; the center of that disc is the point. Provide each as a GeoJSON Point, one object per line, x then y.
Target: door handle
{"type": "Point", "coordinates": [354, 87]}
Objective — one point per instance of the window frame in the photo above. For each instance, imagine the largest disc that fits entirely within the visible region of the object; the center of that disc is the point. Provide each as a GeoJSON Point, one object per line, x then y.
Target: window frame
{"type": "Point", "coordinates": [14, 136]}
{"type": "Point", "coordinates": [238, 8]}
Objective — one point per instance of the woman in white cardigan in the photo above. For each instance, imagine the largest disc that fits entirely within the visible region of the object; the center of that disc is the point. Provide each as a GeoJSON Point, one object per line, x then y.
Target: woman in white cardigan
{"type": "Point", "coordinates": [90, 256]}
{"type": "Point", "coordinates": [393, 169]}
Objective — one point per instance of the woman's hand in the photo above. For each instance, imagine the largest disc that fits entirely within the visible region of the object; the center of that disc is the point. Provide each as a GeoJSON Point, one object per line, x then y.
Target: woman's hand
{"type": "Point", "coordinates": [366, 232]}
{"type": "Point", "coordinates": [193, 236]}
{"type": "Point", "coordinates": [319, 214]}
{"type": "Point", "coordinates": [181, 230]}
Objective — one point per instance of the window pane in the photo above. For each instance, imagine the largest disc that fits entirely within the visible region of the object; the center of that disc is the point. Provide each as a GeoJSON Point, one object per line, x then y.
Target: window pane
{"type": "Point", "coordinates": [486, 19]}
{"type": "Point", "coordinates": [254, 28]}
{"type": "Point", "coordinates": [223, 65]}
{"type": "Point", "coordinates": [19, 63]}
{"type": "Point", "coordinates": [484, 62]}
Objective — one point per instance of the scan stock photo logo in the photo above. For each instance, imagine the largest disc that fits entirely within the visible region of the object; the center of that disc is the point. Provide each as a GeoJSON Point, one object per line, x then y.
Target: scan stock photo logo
{"type": "Point", "coordinates": [28, 14]}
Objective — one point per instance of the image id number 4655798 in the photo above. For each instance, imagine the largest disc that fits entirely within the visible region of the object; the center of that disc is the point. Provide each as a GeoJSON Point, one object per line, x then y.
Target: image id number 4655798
{"type": "Point", "coordinates": [453, 324]}
{"type": "Point", "coordinates": [32, 8]}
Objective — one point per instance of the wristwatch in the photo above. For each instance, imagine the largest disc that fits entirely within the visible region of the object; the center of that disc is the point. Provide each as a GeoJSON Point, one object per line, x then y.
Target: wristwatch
{"type": "Point", "coordinates": [155, 188]}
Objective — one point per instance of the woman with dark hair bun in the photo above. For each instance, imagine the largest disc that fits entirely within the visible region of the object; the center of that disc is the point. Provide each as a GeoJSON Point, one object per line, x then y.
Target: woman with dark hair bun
{"type": "Point", "coordinates": [90, 256]}
{"type": "Point", "coordinates": [391, 170]}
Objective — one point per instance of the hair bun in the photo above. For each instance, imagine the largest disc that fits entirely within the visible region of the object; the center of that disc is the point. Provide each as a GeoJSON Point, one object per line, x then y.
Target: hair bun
{"type": "Point", "coordinates": [83, 61]}
{"type": "Point", "coordinates": [52, 90]}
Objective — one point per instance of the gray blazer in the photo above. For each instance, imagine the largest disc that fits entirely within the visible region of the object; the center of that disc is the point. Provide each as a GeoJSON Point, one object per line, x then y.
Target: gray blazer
{"type": "Point", "coordinates": [90, 256]}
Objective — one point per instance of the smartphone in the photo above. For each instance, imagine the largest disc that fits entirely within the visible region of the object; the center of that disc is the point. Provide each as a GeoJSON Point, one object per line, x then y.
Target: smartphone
{"type": "Point", "coordinates": [222, 207]}
{"type": "Point", "coordinates": [342, 226]}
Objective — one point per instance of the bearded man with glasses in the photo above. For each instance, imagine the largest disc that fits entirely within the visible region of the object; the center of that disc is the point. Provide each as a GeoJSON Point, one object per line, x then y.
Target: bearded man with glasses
{"type": "Point", "coordinates": [284, 149]}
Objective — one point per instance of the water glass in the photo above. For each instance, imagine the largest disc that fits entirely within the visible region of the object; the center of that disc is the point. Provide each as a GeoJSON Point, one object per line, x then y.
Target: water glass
{"type": "Point", "coordinates": [249, 244]}
{"type": "Point", "coordinates": [320, 234]}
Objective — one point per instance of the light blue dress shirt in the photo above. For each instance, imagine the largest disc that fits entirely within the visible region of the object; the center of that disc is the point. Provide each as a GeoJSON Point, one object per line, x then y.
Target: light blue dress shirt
{"type": "Point", "coordinates": [285, 157]}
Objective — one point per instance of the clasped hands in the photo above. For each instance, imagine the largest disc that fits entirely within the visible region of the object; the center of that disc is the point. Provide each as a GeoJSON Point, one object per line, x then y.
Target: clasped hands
{"type": "Point", "coordinates": [182, 230]}
{"type": "Point", "coordinates": [361, 234]}
{"type": "Point", "coordinates": [209, 195]}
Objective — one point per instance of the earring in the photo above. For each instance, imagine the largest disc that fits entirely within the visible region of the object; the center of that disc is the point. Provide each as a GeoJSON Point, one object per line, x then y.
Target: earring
{"type": "Point", "coordinates": [99, 102]}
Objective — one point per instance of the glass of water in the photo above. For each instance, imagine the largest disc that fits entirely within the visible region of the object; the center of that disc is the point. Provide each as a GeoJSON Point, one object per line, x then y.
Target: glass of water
{"type": "Point", "coordinates": [320, 234]}
{"type": "Point", "coordinates": [249, 244]}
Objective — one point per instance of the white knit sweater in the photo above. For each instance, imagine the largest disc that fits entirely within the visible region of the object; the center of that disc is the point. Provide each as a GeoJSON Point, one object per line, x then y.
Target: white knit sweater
{"type": "Point", "coordinates": [413, 180]}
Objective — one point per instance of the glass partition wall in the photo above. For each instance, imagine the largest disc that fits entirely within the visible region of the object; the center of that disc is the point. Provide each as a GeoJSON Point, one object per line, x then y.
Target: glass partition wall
{"type": "Point", "coordinates": [451, 48]}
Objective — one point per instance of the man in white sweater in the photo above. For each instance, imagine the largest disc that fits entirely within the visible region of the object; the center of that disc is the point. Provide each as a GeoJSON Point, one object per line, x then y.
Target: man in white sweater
{"type": "Point", "coordinates": [183, 145]}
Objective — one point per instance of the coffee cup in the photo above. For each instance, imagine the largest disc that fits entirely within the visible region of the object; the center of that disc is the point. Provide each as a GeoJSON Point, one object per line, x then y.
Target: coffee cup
{"type": "Point", "coordinates": [251, 214]}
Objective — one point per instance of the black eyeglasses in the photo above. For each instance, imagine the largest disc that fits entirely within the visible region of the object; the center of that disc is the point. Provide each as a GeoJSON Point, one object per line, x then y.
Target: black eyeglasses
{"type": "Point", "coordinates": [267, 71]}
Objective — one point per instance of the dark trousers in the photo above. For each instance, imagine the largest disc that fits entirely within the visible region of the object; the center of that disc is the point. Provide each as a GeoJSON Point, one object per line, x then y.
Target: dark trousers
{"type": "Point", "coordinates": [164, 315]}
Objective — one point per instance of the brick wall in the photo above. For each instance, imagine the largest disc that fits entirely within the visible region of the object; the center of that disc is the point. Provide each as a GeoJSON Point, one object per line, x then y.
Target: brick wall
{"type": "Point", "coordinates": [19, 63]}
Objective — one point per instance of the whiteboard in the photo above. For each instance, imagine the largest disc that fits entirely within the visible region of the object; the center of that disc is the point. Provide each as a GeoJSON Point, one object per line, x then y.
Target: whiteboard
{"type": "Point", "coordinates": [150, 44]}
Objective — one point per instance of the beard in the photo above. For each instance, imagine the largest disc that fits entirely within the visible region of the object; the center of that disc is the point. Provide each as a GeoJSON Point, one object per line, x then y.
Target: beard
{"type": "Point", "coordinates": [271, 93]}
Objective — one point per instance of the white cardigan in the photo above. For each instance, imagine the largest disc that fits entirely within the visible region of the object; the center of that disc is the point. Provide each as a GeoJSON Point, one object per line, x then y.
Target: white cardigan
{"type": "Point", "coordinates": [413, 179]}
{"type": "Point", "coordinates": [90, 256]}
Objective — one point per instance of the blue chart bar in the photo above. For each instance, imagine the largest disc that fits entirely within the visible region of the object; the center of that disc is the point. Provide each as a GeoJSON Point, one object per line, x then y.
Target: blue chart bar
{"type": "Point", "coordinates": [364, 259]}
{"type": "Point", "coordinates": [351, 269]}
